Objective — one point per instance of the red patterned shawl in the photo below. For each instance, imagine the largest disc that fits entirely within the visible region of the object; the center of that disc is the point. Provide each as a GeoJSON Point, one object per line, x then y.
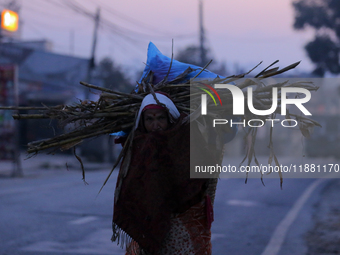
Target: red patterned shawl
{"type": "Point", "coordinates": [157, 184]}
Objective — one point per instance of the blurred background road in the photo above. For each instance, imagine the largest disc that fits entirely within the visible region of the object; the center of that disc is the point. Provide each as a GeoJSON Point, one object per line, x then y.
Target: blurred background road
{"type": "Point", "coordinates": [51, 211]}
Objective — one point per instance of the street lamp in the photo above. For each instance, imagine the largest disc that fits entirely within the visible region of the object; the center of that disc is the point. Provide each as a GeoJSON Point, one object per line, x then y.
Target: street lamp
{"type": "Point", "coordinates": [9, 20]}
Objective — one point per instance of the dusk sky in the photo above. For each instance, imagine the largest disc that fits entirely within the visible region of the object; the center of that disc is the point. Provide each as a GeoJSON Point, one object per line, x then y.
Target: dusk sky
{"type": "Point", "coordinates": [243, 31]}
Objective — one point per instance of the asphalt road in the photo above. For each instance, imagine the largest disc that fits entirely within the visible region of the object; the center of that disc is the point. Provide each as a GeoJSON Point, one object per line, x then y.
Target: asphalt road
{"type": "Point", "coordinates": [53, 212]}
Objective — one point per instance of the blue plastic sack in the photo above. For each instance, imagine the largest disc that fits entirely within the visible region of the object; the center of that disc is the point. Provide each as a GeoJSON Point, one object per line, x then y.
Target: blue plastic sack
{"type": "Point", "coordinates": [159, 65]}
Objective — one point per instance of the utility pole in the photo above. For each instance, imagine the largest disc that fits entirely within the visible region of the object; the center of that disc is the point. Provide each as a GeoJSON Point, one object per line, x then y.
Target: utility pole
{"type": "Point", "coordinates": [72, 42]}
{"type": "Point", "coordinates": [93, 51]}
{"type": "Point", "coordinates": [12, 93]}
{"type": "Point", "coordinates": [15, 6]}
{"type": "Point", "coordinates": [203, 51]}
{"type": "Point", "coordinates": [17, 168]}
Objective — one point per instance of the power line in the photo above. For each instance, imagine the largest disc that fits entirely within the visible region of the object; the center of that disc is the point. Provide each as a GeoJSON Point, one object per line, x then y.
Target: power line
{"type": "Point", "coordinates": [53, 17]}
{"type": "Point", "coordinates": [35, 9]}
{"type": "Point", "coordinates": [103, 22]}
{"type": "Point", "coordinates": [132, 21]}
{"type": "Point", "coordinates": [131, 36]}
{"type": "Point", "coordinates": [47, 27]}
{"type": "Point", "coordinates": [79, 9]}
{"type": "Point", "coordinates": [132, 33]}
{"type": "Point", "coordinates": [56, 4]}
{"type": "Point", "coordinates": [122, 31]}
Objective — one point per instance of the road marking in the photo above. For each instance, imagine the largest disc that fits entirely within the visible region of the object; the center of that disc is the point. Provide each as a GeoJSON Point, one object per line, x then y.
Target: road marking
{"type": "Point", "coordinates": [245, 203]}
{"type": "Point", "coordinates": [83, 220]}
{"type": "Point", "coordinates": [279, 235]}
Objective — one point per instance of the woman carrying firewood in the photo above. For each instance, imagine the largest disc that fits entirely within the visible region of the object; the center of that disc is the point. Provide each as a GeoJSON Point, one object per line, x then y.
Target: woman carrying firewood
{"type": "Point", "coordinates": [158, 209]}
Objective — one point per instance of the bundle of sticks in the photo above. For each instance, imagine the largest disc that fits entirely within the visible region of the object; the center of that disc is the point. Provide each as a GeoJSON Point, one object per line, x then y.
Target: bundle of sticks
{"type": "Point", "coordinates": [116, 111]}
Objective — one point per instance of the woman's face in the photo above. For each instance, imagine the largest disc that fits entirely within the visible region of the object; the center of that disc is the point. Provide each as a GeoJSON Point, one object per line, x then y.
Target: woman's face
{"type": "Point", "coordinates": [155, 120]}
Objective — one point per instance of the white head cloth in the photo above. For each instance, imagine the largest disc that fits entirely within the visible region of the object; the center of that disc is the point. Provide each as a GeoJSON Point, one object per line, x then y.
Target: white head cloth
{"type": "Point", "coordinates": [149, 99]}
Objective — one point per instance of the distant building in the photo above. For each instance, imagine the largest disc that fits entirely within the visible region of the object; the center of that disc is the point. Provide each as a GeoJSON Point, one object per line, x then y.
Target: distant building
{"type": "Point", "coordinates": [44, 76]}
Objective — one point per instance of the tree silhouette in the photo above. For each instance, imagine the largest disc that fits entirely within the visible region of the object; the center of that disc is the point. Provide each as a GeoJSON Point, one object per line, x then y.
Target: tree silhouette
{"type": "Point", "coordinates": [324, 17]}
{"type": "Point", "coordinates": [192, 55]}
{"type": "Point", "coordinates": [113, 76]}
